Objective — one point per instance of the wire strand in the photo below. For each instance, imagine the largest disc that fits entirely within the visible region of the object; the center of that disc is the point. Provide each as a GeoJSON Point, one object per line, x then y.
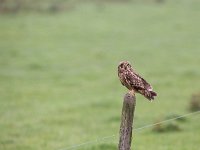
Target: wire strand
{"type": "Point", "coordinates": [168, 120]}
{"type": "Point", "coordinates": [137, 129]}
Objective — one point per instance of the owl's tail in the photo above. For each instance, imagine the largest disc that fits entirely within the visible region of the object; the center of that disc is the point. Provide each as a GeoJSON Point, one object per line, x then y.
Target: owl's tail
{"type": "Point", "coordinates": [150, 94]}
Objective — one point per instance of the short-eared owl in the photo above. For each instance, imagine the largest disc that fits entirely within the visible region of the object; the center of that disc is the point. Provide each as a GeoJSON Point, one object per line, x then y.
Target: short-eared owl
{"type": "Point", "coordinates": [133, 81]}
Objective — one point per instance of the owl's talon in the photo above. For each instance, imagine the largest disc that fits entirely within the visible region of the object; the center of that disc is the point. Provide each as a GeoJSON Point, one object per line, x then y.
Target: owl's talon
{"type": "Point", "coordinates": [132, 92]}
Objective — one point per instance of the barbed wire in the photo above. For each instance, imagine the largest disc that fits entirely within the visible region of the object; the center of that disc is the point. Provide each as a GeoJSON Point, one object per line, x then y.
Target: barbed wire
{"type": "Point", "coordinates": [137, 129]}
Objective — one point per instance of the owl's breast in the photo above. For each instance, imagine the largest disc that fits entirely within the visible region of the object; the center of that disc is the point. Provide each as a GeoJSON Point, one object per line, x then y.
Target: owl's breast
{"type": "Point", "coordinates": [121, 78]}
{"type": "Point", "coordinates": [124, 80]}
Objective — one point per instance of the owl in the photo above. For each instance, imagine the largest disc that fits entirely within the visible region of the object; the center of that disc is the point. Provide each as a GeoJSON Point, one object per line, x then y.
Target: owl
{"type": "Point", "coordinates": [134, 82]}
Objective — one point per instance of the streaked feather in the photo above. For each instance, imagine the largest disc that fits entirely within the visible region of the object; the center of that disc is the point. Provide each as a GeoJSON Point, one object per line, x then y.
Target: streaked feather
{"type": "Point", "coordinates": [134, 81]}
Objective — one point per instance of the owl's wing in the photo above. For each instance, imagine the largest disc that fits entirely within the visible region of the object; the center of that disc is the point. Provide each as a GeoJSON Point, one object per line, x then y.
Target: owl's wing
{"type": "Point", "coordinates": [135, 80]}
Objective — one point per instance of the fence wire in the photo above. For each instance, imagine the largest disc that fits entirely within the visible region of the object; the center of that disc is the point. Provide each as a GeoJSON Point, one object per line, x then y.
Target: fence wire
{"type": "Point", "coordinates": [76, 146]}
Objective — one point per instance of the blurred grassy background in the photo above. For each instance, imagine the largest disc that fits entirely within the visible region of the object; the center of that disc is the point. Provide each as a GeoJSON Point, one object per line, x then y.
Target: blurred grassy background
{"type": "Point", "coordinates": [58, 80]}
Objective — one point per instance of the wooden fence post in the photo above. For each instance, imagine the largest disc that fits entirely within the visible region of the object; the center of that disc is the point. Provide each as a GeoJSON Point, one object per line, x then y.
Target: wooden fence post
{"type": "Point", "coordinates": [127, 122]}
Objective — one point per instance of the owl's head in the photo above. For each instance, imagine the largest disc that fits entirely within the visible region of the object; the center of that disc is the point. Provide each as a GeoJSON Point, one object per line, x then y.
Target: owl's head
{"type": "Point", "coordinates": [124, 65]}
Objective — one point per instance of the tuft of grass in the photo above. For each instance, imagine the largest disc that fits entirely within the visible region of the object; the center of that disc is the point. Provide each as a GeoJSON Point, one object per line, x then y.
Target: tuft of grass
{"type": "Point", "coordinates": [169, 127]}
{"type": "Point", "coordinates": [194, 104]}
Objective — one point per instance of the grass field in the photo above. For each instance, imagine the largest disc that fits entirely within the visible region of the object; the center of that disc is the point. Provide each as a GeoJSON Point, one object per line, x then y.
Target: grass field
{"type": "Point", "coordinates": [58, 81]}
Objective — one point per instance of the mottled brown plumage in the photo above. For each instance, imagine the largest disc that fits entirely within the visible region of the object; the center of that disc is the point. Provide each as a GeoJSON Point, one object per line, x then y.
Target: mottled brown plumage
{"type": "Point", "coordinates": [134, 82]}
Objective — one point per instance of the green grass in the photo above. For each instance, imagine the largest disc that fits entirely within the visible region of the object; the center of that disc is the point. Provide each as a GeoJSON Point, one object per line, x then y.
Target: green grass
{"type": "Point", "coordinates": [58, 81]}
